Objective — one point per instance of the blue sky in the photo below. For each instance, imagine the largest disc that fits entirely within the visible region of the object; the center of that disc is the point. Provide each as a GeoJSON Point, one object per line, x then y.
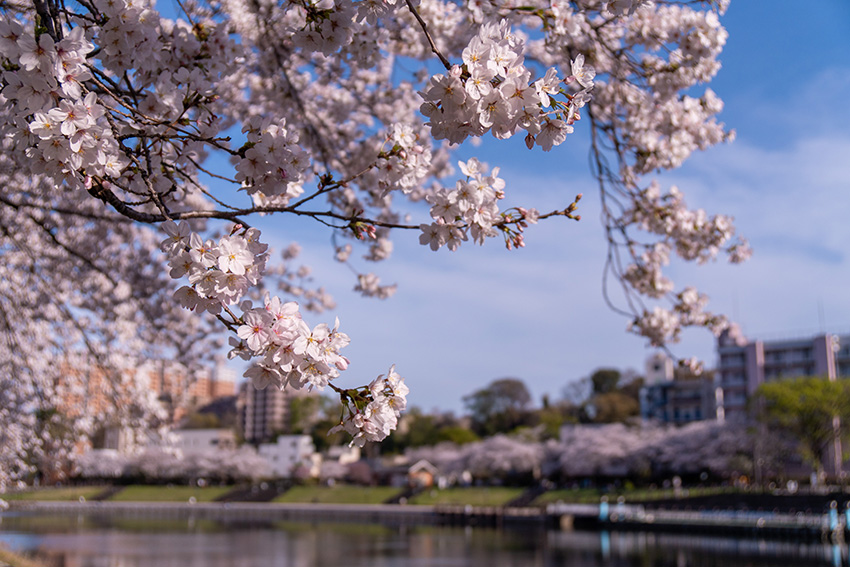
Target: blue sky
{"type": "Point", "coordinates": [463, 319]}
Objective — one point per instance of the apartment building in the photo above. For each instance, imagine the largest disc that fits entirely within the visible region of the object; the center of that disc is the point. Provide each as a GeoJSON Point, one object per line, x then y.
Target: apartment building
{"type": "Point", "coordinates": [265, 414]}
{"type": "Point", "coordinates": [743, 365]}
{"type": "Point", "coordinates": [672, 395]}
{"type": "Point", "coordinates": [181, 389]}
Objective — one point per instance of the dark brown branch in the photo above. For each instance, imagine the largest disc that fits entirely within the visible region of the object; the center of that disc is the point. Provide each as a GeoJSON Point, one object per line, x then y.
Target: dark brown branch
{"type": "Point", "coordinates": [424, 27]}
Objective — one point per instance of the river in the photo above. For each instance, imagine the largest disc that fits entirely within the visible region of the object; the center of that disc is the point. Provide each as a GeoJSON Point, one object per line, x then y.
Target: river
{"type": "Point", "coordinates": [87, 542]}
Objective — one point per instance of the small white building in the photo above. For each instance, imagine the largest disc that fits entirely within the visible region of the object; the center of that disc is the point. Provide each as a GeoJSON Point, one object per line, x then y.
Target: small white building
{"type": "Point", "coordinates": [343, 454]}
{"type": "Point", "coordinates": [200, 440]}
{"type": "Point", "coordinates": [659, 369]}
{"type": "Point", "coordinates": [674, 395]}
{"type": "Point", "coordinates": [289, 453]}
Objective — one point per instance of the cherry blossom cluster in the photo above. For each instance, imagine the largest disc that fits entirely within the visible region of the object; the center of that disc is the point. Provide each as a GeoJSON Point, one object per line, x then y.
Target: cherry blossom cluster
{"type": "Point", "coordinates": [611, 449]}
{"type": "Point", "coordinates": [83, 124]}
{"type": "Point", "coordinates": [647, 107]}
{"type": "Point", "coordinates": [67, 136]}
{"type": "Point", "coordinates": [690, 306]}
{"type": "Point", "coordinates": [180, 66]}
{"type": "Point", "coordinates": [646, 276]}
{"type": "Point", "coordinates": [407, 163]}
{"type": "Point", "coordinates": [471, 209]}
{"type": "Point", "coordinates": [324, 26]}
{"type": "Point", "coordinates": [291, 353]}
{"type": "Point", "coordinates": [623, 7]}
{"type": "Point", "coordinates": [696, 236]}
{"type": "Point", "coordinates": [16, 439]}
{"type": "Point", "coordinates": [129, 34]}
{"type": "Point", "coordinates": [660, 326]}
{"type": "Point", "coordinates": [371, 413]}
{"type": "Point", "coordinates": [663, 326]}
{"type": "Point", "coordinates": [676, 49]}
{"type": "Point", "coordinates": [369, 285]}
{"type": "Point", "coordinates": [220, 273]}
{"type": "Point", "coordinates": [492, 92]}
{"type": "Point", "coordinates": [273, 164]}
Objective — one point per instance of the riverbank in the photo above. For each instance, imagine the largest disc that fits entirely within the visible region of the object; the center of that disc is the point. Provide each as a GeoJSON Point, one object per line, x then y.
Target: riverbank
{"type": "Point", "coordinates": [238, 512]}
{"type": "Point", "coordinates": [827, 525]}
{"type": "Point", "coordinates": [341, 493]}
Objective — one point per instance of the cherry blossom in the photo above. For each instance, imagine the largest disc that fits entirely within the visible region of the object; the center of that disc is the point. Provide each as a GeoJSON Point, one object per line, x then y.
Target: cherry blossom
{"type": "Point", "coordinates": [372, 412]}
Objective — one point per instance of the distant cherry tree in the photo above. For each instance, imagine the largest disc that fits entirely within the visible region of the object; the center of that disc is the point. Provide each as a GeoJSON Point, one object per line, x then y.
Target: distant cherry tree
{"type": "Point", "coordinates": [650, 450]}
{"type": "Point", "coordinates": [162, 464]}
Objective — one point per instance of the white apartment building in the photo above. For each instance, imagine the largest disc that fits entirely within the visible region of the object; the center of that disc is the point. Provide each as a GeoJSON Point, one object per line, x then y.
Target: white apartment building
{"type": "Point", "coordinates": [290, 452]}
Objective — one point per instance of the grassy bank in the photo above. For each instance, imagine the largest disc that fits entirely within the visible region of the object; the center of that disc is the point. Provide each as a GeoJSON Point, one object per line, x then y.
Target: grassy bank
{"type": "Point", "coordinates": [338, 494]}
{"type": "Point", "coordinates": [593, 495]}
{"type": "Point", "coordinates": [473, 496]}
{"type": "Point", "coordinates": [57, 494]}
{"type": "Point", "coordinates": [353, 494]}
{"type": "Point", "coordinates": [142, 493]}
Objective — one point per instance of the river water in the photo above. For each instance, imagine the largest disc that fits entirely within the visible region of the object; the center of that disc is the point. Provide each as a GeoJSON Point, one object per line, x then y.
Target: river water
{"type": "Point", "coordinates": [83, 542]}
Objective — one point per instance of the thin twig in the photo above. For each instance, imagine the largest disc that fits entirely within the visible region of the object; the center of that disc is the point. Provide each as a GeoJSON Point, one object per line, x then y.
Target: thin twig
{"type": "Point", "coordinates": [424, 27]}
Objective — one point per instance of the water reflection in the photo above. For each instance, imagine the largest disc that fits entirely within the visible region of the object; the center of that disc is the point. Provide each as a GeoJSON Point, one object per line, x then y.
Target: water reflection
{"type": "Point", "coordinates": [97, 542]}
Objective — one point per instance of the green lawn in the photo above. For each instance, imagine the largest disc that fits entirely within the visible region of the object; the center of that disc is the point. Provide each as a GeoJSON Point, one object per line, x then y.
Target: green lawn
{"type": "Point", "coordinates": [593, 495]}
{"type": "Point", "coordinates": [474, 496]}
{"type": "Point", "coordinates": [571, 495]}
{"type": "Point", "coordinates": [141, 493]}
{"type": "Point", "coordinates": [338, 494]}
{"type": "Point", "coordinates": [54, 494]}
